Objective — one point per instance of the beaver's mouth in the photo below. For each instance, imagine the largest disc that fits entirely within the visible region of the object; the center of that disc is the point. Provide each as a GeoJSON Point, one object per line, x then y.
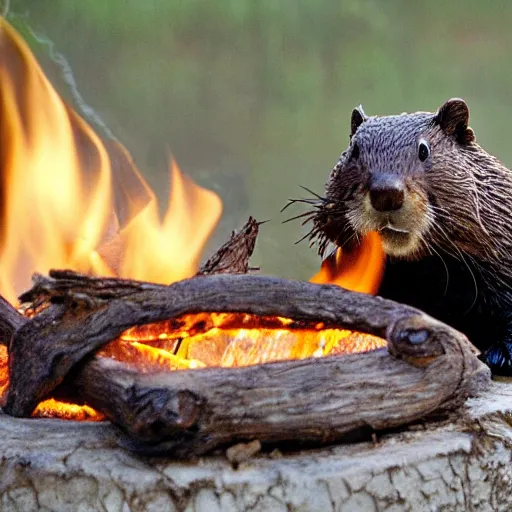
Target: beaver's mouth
{"type": "Point", "coordinates": [401, 231]}
{"type": "Point", "coordinates": [390, 231]}
{"type": "Point", "coordinates": [396, 241]}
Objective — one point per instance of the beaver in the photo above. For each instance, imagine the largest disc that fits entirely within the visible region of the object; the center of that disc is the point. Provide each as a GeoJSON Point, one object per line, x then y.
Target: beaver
{"type": "Point", "coordinates": [443, 208]}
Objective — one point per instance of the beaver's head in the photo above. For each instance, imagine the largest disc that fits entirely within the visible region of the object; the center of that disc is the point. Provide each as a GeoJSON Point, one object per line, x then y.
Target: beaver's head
{"type": "Point", "coordinates": [399, 176]}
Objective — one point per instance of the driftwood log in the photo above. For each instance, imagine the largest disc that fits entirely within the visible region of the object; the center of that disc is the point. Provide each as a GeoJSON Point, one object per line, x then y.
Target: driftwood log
{"type": "Point", "coordinates": [428, 368]}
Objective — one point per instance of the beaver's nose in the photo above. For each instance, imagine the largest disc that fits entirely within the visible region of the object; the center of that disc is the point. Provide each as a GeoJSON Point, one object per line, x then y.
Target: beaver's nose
{"type": "Point", "coordinates": [387, 192]}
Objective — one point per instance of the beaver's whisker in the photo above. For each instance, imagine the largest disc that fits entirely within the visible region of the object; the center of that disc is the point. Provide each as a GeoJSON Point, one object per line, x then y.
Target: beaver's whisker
{"type": "Point", "coordinates": [312, 202]}
{"type": "Point", "coordinates": [314, 193]}
{"type": "Point", "coordinates": [441, 213]}
{"type": "Point", "coordinates": [322, 247]}
{"type": "Point", "coordinates": [289, 203]}
{"type": "Point", "coordinates": [317, 201]}
{"type": "Point", "coordinates": [309, 234]}
{"type": "Point", "coordinates": [446, 242]}
{"type": "Point", "coordinates": [351, 237]}
{"type": "Point", "coordinates": [463, 260]}
{"type": "Point", "coordinates": [442, 243]}
{"type": "Point", "coordinates": [432, 248]}
{"type": "Point", "coordinates": [309, 216]}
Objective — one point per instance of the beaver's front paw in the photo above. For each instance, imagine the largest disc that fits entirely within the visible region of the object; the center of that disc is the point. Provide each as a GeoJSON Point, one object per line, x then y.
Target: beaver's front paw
{"type": "Point", "coordinates": [499, 358]}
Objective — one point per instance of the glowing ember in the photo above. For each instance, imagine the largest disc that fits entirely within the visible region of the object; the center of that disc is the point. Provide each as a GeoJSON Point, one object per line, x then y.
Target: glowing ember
{"type": "Point", "coordinates": [56, 409]}
{"type": "Point", "coordinates": [231, 340]}
{"type": "Point", "coordinates": [147, 359]}
{"type": "Point", "coordinates": [71, 200]}
{"type": "Point", "coordinates": [4, 373]}
{"type": "Point", "coordinates": [50, 408]}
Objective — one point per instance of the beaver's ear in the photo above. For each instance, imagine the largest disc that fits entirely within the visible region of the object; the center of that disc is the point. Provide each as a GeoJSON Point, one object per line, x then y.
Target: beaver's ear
{"type": "Point", "coordinates": [358, 117]}
{"type": "Point", "coordinates": [453, 119]}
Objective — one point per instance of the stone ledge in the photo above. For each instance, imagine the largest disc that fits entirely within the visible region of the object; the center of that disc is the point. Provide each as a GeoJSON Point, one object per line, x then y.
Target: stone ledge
{"type": "Point", "coordinates": [465, 465]}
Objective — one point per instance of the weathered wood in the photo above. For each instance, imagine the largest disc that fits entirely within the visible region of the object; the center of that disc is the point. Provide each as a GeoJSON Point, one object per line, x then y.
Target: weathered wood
{"type": "Point", "coordinates": [233, 257]}
{"type": "Point", "coordinates": [190, 412]}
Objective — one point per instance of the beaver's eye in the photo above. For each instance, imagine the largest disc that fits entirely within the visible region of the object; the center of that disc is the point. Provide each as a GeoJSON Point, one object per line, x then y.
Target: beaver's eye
{"type": "Point", "coordinates": [355, 152]}
{"type": "Point", "coordinates": [423, 150]}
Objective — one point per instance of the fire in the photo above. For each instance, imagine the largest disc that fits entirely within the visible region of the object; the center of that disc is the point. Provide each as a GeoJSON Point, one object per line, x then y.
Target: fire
{"type": "Point", "coordinates": [72, 200]}
{"type": "Point", "coordinates": [169, 251]}
{"type": "Point", "coordinates": [231, 340]}
{"type": "Point", "coordinates": [52, 408]}
{"type": "Point", "coordinates": [359, 270]}
{"type": "Point", "coordinates": [64, 199]}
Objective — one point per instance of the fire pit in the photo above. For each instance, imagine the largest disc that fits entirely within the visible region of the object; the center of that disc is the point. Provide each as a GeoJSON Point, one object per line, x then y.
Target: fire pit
{"type": "Point", "coordinates": [218, 361]}
{"type": "Point", "coordinates": [428, 366]}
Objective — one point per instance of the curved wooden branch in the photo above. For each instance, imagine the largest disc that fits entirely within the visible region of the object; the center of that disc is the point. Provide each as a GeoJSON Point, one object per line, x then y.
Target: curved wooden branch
{"type": "Point", "coordinates": [433, 368]}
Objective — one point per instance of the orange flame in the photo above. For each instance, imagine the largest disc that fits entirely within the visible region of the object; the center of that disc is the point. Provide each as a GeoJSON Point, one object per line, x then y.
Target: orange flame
{"type": "Point", "coordinates": [360, 269]}
{"type": "Point", "coordinates": [63, 198]}
{"type": "Point", "coordinates": [171, 250]}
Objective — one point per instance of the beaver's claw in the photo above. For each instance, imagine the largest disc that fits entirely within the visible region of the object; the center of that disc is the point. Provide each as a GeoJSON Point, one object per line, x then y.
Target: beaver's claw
{"type": "Point", "coordinates": [499, 358]}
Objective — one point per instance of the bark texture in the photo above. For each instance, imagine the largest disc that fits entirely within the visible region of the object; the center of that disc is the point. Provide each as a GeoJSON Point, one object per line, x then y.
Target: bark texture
{"type": "Point", "coordinates": [233, 257]}
{"type": "Point", "coordinates": [10, 321]}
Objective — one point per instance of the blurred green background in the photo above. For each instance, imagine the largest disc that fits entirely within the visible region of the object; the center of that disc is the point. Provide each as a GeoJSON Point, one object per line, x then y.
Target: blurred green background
{"type": "Point", "coordinates": [253, 97]}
